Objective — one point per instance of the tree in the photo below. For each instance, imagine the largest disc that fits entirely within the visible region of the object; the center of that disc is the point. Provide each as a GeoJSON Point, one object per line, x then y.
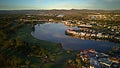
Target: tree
{"type": "Point", "coordinates": [79, 65]}
{"type": "Point", "coordinates": [2, 61]}
{"type": "Point", "coordinates": [28, 63]}
{"type": "Point", "coordinates": [13, 61]}
{"type": "Point", "coordinates": [70, 64]}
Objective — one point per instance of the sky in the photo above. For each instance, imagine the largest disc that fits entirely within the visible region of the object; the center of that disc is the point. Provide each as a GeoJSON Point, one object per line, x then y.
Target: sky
{"type": "Point", "coordinates": [59, 4]}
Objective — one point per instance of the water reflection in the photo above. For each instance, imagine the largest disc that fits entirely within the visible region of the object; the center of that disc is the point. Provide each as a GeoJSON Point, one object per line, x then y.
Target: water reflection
{"type": "Point", "coordinates": [55, 32]}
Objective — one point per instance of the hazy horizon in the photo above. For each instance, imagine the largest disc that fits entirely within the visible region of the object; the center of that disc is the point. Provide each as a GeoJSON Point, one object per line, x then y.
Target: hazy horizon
{"type": "Point", "coordinates": [59, 4]}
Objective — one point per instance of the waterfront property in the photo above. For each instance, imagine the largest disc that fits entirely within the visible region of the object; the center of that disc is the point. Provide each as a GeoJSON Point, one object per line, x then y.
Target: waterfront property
{"type": "Point", "coordinates": [99, 60]}
{"type": "Point", "coordinates": [90, 33]}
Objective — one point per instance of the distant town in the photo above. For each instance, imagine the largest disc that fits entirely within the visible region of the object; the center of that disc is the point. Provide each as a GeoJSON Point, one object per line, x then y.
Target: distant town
{"type": "Point", "coordinates": [92, 24]}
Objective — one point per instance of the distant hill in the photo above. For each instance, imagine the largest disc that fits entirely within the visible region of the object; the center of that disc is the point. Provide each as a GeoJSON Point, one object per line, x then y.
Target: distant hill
{"type": "Point", "coordinates": [72, 11]}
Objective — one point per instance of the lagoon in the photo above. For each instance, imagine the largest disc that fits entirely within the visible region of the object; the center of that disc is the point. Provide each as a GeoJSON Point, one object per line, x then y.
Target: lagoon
{"type": "Point", "coordinates": [55, 32]}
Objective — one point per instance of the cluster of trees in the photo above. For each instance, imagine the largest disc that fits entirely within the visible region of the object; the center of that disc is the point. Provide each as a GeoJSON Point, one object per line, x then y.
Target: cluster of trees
{"type": "Point", "coordinates": [9, 62]}
{"type": "Point", "coordinates": [15, 52]}
{"type": "Point", "coordinates": [16, 27]}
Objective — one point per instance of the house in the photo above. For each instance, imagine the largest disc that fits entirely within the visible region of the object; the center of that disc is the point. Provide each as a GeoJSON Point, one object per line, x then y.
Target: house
{"type": "Point", "coordinates": [94, 62]}
{"type": "Point", "coordinates": [82, 33]}
{"type": "Point", "coordinates": [116, 60]}
{"type": "Point", "coordinates": [97, 16]}
{"type": "Point", "coordinates": [92, 50]}
{"type": "Point", "coordinates": [99, 35]}
{"type": "Point", "coordinates": [60, 15]}
{"type": "Point", "coordinates": [51, 20]}
{"type": "Point", "coordinates": [105, 62]}
{"type": "Point", "coordinates": [99, 60]}
{"type": "Point", "coordinates": [88, 34]}
{"type": "Point", "coordinates": [93, 35]}
{"type": "Point", "coordinates": [92, 66]}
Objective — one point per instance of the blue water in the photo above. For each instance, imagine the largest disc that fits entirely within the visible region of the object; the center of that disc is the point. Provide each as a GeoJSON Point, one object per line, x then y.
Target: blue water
{"type": "Point", "coordinates": [55, 32]}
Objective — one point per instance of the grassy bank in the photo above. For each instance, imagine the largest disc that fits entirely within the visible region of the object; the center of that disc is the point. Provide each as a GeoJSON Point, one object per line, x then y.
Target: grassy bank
{"type": "Point", "coordinates": [59, 56]}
